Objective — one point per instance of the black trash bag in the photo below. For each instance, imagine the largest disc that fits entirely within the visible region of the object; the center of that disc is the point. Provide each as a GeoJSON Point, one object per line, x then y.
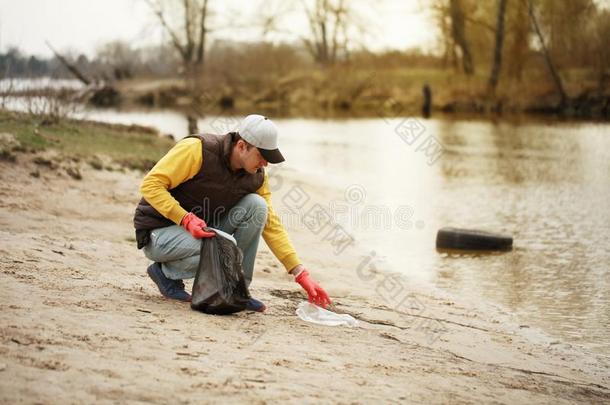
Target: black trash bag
{"type": "Point", "coordinates": [219, 287]}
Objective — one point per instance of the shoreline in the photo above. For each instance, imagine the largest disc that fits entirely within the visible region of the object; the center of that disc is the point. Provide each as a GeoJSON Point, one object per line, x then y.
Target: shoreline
{"type": "Point", "coordinates": [94, 328]}
{"type": "Point", "coordinates": [358, 263]}
{"type": "Point", "coordinates": [365, 96]}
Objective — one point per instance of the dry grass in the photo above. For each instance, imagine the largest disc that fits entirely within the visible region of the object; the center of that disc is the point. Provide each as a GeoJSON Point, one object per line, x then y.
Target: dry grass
{"type": "Point", "coordinates": [130, 146]}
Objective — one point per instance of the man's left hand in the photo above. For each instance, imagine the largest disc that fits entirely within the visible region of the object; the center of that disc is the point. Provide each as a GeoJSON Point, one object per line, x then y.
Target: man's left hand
{"type": "Point", "coordinates": [316, 294]}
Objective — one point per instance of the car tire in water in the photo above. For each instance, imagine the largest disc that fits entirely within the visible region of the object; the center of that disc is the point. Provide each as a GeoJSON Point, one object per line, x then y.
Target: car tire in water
{"type": "Point", "coordinates": [469, 239]}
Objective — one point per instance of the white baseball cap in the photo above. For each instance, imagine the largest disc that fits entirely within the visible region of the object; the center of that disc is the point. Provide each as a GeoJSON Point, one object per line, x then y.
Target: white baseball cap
{"type": "Point", "coordinates": [261, 132]}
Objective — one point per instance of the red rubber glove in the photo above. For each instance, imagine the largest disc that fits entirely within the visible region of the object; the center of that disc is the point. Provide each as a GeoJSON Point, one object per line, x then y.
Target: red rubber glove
{"type": "Point", "coordinates": [316, 294]}
{"type": "Point", "coordinates": [195, 225]}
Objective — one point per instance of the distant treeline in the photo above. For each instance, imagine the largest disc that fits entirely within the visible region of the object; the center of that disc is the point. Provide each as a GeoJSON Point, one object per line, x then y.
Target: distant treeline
{"type": "Point", "coordinates": [15, 64]}
{"type": "Point", "coordinates": [113, 61]}
{"type": "Point", "coordinates": [572, 34]}
{"type": "Point", "coordinates": [118, 61]}
{"type": "Point", "coordinates": [549, 56]}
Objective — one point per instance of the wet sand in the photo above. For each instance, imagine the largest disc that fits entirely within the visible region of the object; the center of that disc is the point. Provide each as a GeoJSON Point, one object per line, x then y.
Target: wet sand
{"type": "Point", "coordinates": [80, 321]}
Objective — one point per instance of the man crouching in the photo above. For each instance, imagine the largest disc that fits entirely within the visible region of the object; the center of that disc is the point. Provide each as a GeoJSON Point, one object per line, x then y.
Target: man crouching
{"type": "Point", "coordinates": [215, 181]}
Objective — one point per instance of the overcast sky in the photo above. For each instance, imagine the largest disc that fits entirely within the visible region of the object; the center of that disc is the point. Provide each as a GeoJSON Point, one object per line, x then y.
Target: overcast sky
{"type": "Point", "coordinates": [82, 25]}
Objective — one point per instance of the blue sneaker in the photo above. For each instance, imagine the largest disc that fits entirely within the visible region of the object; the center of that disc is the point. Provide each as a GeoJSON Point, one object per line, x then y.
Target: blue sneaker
{"type": "Point", "coordinates": [255, 305]}
{"type": "Point", "coordinates": [173, 289]}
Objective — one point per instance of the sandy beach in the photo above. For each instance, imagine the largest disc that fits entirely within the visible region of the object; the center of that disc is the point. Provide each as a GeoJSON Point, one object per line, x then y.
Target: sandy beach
{"type": "Point", "coordinates": [80, 320]}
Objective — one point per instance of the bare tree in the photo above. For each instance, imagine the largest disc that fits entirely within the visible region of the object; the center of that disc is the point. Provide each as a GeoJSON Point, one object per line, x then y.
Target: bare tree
{"type": "Point", "coordinates": [121, 58]}
{"type": "Point", "coordinates": [518, 40]}
{"type": "Point", "coordinates": [554, 75]}
{"type": "Point", "coordinates": [458, 32]}
{"type": "Point", "coordinates": [497, 56]}
{"type": "Point", "coordinates": [566, 26]}
{"type": "Point", "coordinates": [70, 66]}
{"type": "Point", "coordinates": [602, 60]}
{"type": "Point", "coordinates": [328, 25]}
{"type": "Point", "coordinates": [441, 13]}
{"type": "Point", "coordinates": [270, 15]}
{"type": "Point", "coordinates": [189, 37]}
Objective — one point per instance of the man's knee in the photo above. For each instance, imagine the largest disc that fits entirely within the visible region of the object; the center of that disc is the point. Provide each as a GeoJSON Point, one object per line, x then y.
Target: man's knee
{"type": "Point", "coordinates": [171, 243]}
{"type": "Point", "coordinates": [254, 200]}
{"type": "Point", "coordinates": [257, 206]}
{"type": "Point", "coordinates": [251, 210]}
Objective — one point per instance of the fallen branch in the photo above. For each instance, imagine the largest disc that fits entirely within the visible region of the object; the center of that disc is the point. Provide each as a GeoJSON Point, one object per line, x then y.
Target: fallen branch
{"type": "Point", "coordinates": [72, 68]}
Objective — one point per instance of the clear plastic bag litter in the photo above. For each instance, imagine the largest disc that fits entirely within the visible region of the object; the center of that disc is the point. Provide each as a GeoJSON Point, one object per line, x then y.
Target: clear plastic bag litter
{"type": "Point", "coordinates": [315, 314]}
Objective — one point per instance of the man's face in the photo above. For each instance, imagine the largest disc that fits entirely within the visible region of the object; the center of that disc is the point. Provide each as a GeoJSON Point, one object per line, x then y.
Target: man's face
{"type": "Point", "coordinates": [252, 160]}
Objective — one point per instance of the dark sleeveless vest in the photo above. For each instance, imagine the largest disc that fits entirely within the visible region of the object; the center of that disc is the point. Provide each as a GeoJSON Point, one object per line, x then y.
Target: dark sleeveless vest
{"type": "Point", "coordinates": [210, 194]}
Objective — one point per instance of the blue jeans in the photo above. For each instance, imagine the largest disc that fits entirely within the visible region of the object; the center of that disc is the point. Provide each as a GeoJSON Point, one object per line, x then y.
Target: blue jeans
{"type": "Point", "coordinates": [178, 252]}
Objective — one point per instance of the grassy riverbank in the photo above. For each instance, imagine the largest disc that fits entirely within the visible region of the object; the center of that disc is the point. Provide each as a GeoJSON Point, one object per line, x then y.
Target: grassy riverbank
{"type": "Point", "coordinates": [98, 143]}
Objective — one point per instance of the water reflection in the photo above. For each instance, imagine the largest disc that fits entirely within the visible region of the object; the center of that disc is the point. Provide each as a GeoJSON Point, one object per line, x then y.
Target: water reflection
{"type": "Point", "coordinates": [545, 184]}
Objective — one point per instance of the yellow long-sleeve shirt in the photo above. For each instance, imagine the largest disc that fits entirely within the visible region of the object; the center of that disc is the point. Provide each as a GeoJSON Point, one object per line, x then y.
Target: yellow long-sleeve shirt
{"type": "Point", "coordinates": [182, 163]}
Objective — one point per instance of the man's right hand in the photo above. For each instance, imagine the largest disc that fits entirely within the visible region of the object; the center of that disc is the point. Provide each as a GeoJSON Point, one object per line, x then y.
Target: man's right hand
{"type": "Point", "coordinates": [195, 225]}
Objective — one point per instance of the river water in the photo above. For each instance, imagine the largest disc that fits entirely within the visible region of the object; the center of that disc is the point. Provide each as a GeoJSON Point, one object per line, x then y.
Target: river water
{"type": "Point", "coordinates": [545, 183]}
